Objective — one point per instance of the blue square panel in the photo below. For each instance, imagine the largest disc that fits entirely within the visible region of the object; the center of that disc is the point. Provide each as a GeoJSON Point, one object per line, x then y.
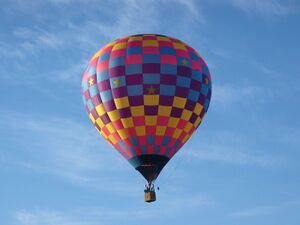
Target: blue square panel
{"type": "Point", "coordinates": [168, 90]}
{"type": "Point", "coordinates": [134, 90]}
{"type": "Point", "coordinates": [183, 81]}
{"type": "Point", "coordinates": [133, 69]}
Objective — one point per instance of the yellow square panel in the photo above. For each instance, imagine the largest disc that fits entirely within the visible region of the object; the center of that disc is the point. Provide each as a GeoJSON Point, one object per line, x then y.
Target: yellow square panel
{"type": "Point", "coordinates": [97, 54]}
{"type": "Point", "coordinates": [150, 43]}
{"type": "Point", "coordinates": [103, 134]}
{"type": "Point", "coordinates": [100, 110]}
{"type": "Point", "coordinates": [100, 123]}
{"type": "Point", "coordinates": [92, 118]}
{"type": "Point", "coordinates": [112, 139]}
{"type": "Point", "coordinates": [121, 102]}
{"type": "Point", "coordinates": [110, 128]}
{"type": "Point", "coordinates": [179, 46]}
{"type": "Point", "coordinates": [173, 122]}
{"type": "Point", "coordinates": [198, 108]}
{"type": "Point", "coordinates": [188, 127]}
{"type": "Point", "coordinates": [109, 44]}
{"type": "Point", "coordinates": [164, 110]}
{"type": "Point", "coordinates": [160, 130]}
{"type": "Point", "coordinates": [176, 133]}
{"type": "Point", "coordinates": [159, 38]}
{"type": "Point", "coordinates": [113, 115]}
{"type": "Point", "coordinates": [119, 46]}
{"type": "Point", "coordinates": [151, 99]}
{"type": "Point", "coordinates": [138, 38]}
{"type": "Point", "coordinates": [185, 138]}
{"type": "Point", "coordinates": [127, 122]}
{"type": "Point", "coordinates": [137, 110]}
{"type": "Point", "coordinates": [179, 102]}
{"type": "Point", "coordinates": [197, 122]}
{"type": "Point", "coordinates": [123, 134]}
{"type": "Point", "coordinates": [140, 130]}
{"type": "Point", "coordinates": [186, 114]}
{"type": "Point", "coordinates": [150, 120]}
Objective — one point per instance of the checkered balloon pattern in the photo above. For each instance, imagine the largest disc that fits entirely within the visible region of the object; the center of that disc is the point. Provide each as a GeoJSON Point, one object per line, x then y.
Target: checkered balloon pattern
{"type": "Point", "coordinates": [146, 94]}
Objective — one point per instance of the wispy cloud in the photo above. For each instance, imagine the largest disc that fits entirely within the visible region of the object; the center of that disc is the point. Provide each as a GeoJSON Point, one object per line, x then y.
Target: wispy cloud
{"type": "Point", "coordinates": [69, 75]}
{"type": "Point", "coordinates": [222, 53]}
{"type": "Point", "coordinates": [230, 148]}
{"type": "Point", "coordinates": [234, 156]}
{"type": "Point", "coordinates": [228, 94]}
{"type": "Point", "coordinates": [32, 40]}
{"type": "Point", "coordinates": [82, 216]}
{"type": "Point", "coordinates": [59, 146]}
{"type": "Point", "coordinates": [265, 7]}
{"type": "Point", "coordinates": [295, 202]}
{"type": "Point", "coordinates": [48, 218]}
{"type": "Point", "coordinates": [189, 201]}
{"type": "Point", "coordinates": [36, 35]}
{"type": "Point", "coordinates": [106, 216]}
{"type": "Point", "coordinates": [70, 42]}
{"type": "Point", "coordinates": [193, 10]}
{"type": "Point", "coordinates": [256, 211]}
{"type": "Point", "coordinates": [266, 210]}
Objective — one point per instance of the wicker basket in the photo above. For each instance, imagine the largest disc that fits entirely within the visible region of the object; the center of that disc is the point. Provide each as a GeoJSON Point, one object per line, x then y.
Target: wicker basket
{"type": "Point", "coordinates": [150, 196]}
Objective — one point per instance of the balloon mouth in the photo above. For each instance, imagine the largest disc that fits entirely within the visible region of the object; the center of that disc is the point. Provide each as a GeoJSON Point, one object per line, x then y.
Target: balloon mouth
{"type": "Point", "coordinates": [149, 166]}
{"type": "Point", "coordinates": [150, 172]}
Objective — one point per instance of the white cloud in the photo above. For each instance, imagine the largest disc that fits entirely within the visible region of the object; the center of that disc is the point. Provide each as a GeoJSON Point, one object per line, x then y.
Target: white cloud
{"type": "Point", "coordinates": [104, 216]}
{"type": "Point", "coordinates": [37, 39]}
{"type": "Point", "coordinates": [227, 155]}
{"type": "Point", "coordinates": [226, 94]}
{"type": "Point", "coordinates": [265, 7]}
{"type": "Point", "coordinates": [9, 51]}
{"type": "Point", "coordinates": [266, 210]}
{"type": "Point", "coordinates": [61, 147]}
{"type": "Point", "coordinates": [83, 216]}
{"type": "Point", "coordinates": [48, 218]}
{"type": "Point", "coordinates": [71, 74]}
{"type": "Point", "coordinates": [231, 148]}
{"type": "Point", "coordinates": [295, 202]}
{"type": "Point", "coordinates": [220, 52]}
{"type": "Point", "coordinates": [74, 42]}
{"type": "Point", "coordinates": [193, 10]}
{"type": "Point", "coordinates": [129, 17]}
{"type": "Point", "coordinates": [189, 201]}
{"type": "Point", "coordinates": [259, 211]}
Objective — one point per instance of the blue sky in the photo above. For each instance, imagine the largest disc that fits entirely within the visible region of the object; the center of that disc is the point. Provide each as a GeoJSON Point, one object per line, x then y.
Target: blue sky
{"type": "Point", "coordinates": [241, 167]}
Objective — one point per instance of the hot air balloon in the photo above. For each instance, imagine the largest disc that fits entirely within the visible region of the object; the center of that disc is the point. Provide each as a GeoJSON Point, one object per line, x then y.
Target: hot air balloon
{"type": "Point", "coordinates": [146, 94]}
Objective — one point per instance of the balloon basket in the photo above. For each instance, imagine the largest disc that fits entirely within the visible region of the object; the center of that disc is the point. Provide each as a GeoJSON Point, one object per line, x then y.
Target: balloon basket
{"type": "Point", "coordinates": [150, 196]}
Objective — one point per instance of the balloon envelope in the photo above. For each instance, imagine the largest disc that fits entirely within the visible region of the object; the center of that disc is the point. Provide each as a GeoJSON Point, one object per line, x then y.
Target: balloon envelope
{"type": "Point", "coordinates": [146, 95]}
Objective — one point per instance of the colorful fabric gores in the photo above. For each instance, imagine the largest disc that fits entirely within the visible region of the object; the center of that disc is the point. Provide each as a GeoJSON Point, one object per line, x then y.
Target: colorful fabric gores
{"type": "Point", "coordinates": [146, 95]}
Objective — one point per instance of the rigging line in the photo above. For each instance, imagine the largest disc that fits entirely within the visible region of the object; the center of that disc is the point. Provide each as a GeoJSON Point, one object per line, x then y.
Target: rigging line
{"type": "Point", "coordinates": [179, 163]}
